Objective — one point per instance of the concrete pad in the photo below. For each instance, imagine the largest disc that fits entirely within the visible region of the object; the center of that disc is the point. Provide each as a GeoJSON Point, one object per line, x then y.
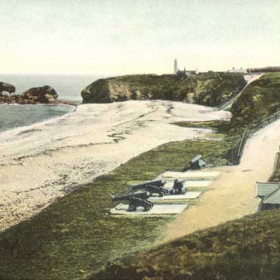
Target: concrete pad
{"type": "Point", "coordinates": [197, 184]}
{"type": "Point", "coordinates": [192, 175]}
{"type": "Point", "coordinates": [187, 195]}
{"type": "Point", "coordinates": [158, 209]}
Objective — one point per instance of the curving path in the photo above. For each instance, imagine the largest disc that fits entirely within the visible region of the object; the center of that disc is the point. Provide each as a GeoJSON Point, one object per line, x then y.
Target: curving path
{"type": "Point", "coordinates": [232, 195]}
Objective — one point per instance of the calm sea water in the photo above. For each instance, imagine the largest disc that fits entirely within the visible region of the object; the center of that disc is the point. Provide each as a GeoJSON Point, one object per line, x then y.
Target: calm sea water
{"type": "Point", "coordinates": [68, 87]}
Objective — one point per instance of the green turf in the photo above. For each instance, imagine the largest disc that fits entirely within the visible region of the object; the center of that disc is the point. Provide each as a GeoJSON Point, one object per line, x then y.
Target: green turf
{"type": "Point", "coordinates": [245, 249]}
{"type": "Point", "coordinates": [76, 235]}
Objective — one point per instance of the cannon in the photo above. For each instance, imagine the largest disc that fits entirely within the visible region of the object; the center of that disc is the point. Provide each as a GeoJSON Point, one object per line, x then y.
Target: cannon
{"type": "Point", "coordinates": [196, 163]}
{"type": "Point", "coordinates": [152, 187]}
{"type": "Point", "coordinates": [178, 187]}
{"type": "Point", "coordinates": [135, 199]}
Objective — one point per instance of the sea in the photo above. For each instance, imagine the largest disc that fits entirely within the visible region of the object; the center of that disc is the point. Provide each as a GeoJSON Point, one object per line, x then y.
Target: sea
{"type": "Point", "coordinates": [68, 87]}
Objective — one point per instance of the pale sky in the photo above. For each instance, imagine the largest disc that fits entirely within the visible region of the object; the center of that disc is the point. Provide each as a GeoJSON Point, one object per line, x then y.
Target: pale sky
{"type": "Point", "coordinates": [137, 36]}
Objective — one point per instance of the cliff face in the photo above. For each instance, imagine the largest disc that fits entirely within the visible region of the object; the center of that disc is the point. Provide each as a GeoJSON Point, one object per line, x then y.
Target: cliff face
{"type": "Point", "coordinates": [210, 89]}
{"type": "Point", "coordinates": [6, 88]}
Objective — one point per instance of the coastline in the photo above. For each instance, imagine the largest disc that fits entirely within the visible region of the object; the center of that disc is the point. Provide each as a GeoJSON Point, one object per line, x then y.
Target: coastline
{"type": "Point", "coordinates": [58, 102]}
{"type": "Point", "coordinates": [47, 160]}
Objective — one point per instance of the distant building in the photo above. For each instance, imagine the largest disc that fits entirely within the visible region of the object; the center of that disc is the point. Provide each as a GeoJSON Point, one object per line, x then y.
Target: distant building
{"type": "Point", "coordinates": [175, 66]}
{"type": "Point", "coordinates": [269, 193]}
{"type": "Point", "coordinates": [240, 70]}
{"type": "Point", "coordinates": [184, 72]}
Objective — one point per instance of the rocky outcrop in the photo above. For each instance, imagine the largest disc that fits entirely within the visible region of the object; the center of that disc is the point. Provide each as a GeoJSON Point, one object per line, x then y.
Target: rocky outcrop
{"type": "Point", "coordinates": [44, 95]}
{"type": "Point", "coordinates": [212, 89]}
{"type": "Point", "coordinates": [6, 88]}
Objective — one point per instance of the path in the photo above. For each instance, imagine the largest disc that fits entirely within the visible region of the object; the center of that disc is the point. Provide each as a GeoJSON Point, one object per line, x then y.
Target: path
{"type": "Point", "coordinates": [249, 79]}
{"type": "Point", "coordinates": [232, 195]}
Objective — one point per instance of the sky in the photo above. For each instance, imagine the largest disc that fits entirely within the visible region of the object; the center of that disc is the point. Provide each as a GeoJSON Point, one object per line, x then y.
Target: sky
{"type": "Point", "coordinates": [137, 36]}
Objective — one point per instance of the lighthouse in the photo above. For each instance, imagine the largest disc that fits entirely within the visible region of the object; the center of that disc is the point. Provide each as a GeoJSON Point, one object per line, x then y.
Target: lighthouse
{"type": "Point", "coordinates": [175, 66]}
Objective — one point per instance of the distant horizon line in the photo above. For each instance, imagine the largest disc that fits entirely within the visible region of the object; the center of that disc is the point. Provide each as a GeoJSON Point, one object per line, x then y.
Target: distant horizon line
{"type": "Point", "coordinates": [121, 74]}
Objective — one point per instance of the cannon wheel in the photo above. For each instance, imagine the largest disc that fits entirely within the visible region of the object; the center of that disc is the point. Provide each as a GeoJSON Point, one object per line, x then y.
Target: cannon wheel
{"type": "Point", "coordinates": [161, 194]}
{"type": "Point", "coordinates": [131, 208]}
{"type": "Point", "coordinates": [147, 207]}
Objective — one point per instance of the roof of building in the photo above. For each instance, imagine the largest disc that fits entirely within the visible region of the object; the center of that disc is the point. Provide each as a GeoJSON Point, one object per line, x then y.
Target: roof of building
{"type": "Point", "coordinates": [266, 189]}
{"type": "Point", "coordinates": [273, 198]}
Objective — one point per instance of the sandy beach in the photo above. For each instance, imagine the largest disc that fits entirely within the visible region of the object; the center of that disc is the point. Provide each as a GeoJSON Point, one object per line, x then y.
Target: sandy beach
{"type": "Point", "coordinates": [44, 161]}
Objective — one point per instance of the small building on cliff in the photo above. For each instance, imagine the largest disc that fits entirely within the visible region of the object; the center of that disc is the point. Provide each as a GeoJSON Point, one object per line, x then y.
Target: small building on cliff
{"type": "Point", "coordinates": [238, 70]}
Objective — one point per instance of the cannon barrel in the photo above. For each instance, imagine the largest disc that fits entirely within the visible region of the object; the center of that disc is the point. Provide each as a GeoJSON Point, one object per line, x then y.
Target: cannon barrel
{"type": "Point", "coordinates": [196, 158]}
{"type": "Point", "coordinates": [144, 185]}
{"type": "Point", "coordinates": [129, 195]}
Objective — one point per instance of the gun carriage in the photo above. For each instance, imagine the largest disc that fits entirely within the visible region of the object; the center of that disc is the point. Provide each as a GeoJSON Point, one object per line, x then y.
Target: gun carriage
{"type": "Point", "coordinates": [152, 187]}
{"type": "Point", "coordinates": [196, 163]}
{"type": "Point", "coordinates": [135, 199]}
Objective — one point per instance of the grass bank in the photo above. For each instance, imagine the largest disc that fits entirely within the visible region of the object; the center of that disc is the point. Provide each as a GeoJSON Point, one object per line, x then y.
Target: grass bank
{"type": "Point", "coordinates": [248, 248]}
{"type": "Point", "coordinates": [76, 235]}
{"type": "Point", "coordinates": [244, 249]}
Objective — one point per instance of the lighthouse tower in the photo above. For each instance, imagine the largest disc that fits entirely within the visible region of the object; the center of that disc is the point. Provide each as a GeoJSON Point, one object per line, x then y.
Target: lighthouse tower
{"type": "Point", "coordinates": [175, 66]}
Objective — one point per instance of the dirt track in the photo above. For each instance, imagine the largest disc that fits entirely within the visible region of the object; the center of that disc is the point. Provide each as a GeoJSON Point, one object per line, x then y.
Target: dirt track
{"type": "Point", "coordinates": [232, 195]}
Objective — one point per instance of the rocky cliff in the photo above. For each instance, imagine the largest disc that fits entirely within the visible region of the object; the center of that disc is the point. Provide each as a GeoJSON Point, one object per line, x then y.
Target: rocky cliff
{"type": "Point", "coordinates": [212, 89]}
{"type": "Point", "coordinates": [45, 94]}
{"type": "Point", "coordinates": [6, 89]}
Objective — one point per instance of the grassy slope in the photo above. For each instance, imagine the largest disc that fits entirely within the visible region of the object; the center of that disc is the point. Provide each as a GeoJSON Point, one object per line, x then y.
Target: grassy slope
{"type": "Point", "coordinates": [248, 248]}
{"type": "Point", "coordinates": [75, 236]}
{"type": "Point", "coordinates": [245, 249]}
{"type": "Point", "coordinates": [210, 89]}
{"type": "Point", "coordinates": [259, 100]}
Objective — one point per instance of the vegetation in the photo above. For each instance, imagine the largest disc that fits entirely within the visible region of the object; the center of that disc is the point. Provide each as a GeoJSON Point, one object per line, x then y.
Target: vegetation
{"type": "Point", "coordinates": [212, 89]}
{"type": "Point", "coordinates": [75, 235]}
{"type": "Point", "coordinates": [74, 238]}
{"type": "Point", "coordinates": [243, 249]}
{"type": "Point", "coordinates": [258, 101]}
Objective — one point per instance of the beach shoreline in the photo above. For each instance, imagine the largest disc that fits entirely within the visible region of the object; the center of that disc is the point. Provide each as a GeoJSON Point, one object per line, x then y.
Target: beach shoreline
{"type": "Point", "coordinates": [47, 160]}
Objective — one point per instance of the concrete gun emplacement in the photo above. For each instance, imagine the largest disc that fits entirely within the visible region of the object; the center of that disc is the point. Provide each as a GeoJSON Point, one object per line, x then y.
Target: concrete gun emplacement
{"type": "Point", "coordinates": [135, 199]}
{"type": "Point", "coordinates": [155, 186]}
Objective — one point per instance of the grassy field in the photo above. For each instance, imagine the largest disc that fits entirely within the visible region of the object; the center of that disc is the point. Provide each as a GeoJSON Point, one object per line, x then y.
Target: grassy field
{"type": "Point", "coordinates": [75, 237]}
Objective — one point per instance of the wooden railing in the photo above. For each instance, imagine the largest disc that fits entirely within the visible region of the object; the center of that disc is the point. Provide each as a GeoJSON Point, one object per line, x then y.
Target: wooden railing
{"type": "Point", "coordinates": [248, 133]}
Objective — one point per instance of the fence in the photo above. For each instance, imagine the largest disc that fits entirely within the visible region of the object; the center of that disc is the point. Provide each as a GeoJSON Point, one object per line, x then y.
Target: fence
{"type": "Point", "coordinates": [248, 133]}
{"type": "Point", "coordinates": [275, 177]}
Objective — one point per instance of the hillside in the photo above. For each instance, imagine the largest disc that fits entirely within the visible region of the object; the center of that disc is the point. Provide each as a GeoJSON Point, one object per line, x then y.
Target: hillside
{"type": "Point", "coordinates": [243, 249]}
{"type": "Point", "coordinates": [258, 101]}
{"type": "Point", "coordinates": [73, 238]}
{"type": "Point", "coordinates": [211, 89]}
